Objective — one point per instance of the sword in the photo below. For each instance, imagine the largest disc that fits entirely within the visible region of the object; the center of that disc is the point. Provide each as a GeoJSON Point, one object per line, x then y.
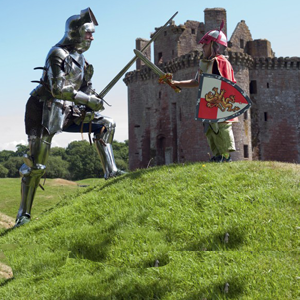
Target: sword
{"type": "Point", "coordinates": [102, 94]}
{"type": "Point", "coordinates": [163, 77]}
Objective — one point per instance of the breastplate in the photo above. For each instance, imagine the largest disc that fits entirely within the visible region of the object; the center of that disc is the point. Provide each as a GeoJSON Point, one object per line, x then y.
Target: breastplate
{"type": "Point", "coordinates": [74, 68]}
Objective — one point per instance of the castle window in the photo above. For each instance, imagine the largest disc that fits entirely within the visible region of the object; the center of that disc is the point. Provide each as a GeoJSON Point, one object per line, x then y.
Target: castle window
{"type": "Point", "coordinates": [268, 85]}
{"type": "Point", "coordinates": [242, 44]}
{"type": "Point", "coordinates": [160, 146]}
{"type": "Point", "coordinates": [246, 151]}
{"type": "Point", "coordinates": [265, 116]}
{"type": "Point", "coordinates": [159, 95]}
{"type": "Point", "coordinates": [253, 87]}
{"type": "Point", "coordinates": [193, 31]}
{"type": "Point", "coordinates": [160, 58]}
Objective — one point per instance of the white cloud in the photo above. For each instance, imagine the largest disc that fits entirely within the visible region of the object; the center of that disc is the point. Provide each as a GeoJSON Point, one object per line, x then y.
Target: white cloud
{"type": "Point", "coordinates": [12, 145]}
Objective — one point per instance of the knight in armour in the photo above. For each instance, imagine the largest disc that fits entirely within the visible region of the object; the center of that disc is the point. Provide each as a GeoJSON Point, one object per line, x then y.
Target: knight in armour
{"type": "Point", "coordinates": [219, 136]}
{"type": "Point", "coordinates": [64, 100]}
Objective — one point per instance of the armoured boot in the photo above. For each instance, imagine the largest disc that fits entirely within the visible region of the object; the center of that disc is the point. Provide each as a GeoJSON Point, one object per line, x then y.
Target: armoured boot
{"type": "Point", "coordinates": [29, 185]}
{"type": "Point", "coordinates": [31, 172]}
{"type": "Point", "coordinates": [107, 159]}
{"type": "Point", "coordinates": [103, 143]}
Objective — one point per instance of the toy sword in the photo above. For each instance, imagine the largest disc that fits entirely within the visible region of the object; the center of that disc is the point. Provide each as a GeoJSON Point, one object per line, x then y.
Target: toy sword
{"type": "Point", "coordinates": [122, 72]}
{"type": "Point", "coordinates": [163, 77]}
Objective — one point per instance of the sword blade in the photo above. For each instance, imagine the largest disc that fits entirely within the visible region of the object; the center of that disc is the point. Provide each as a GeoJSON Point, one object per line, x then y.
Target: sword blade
{"type": "Point", "coordinates": [148, 63]}
{"type": "Point", "coordinates": [122, 72]}
{"type": "Point", "coordinates": [162, 76]}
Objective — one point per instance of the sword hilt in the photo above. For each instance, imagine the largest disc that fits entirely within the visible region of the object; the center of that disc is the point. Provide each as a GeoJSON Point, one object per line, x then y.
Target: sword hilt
{"type": "Point", "coordinates": [166, 78]}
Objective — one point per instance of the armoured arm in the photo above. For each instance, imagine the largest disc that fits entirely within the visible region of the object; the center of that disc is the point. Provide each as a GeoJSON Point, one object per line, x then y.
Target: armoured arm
{"type": "Point", "coordinates": [66, 77]}
{"type": "Point", "coordinates": [91, 101]}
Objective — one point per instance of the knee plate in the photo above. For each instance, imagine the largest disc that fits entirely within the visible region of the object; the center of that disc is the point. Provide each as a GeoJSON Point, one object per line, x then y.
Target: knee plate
{"type": "Point", "coordinates": [107, 134]}
{"type": "Point", "coordinates": [34, 163]}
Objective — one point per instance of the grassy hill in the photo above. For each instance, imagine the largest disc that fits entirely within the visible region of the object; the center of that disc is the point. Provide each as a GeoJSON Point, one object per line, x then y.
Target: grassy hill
{"type": "Point", "coordinates": [195, 231]}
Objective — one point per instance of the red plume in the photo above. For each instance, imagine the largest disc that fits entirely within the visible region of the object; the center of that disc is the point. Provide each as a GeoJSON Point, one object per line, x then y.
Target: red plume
{"type": "Point", "coordinates": [222, 25]}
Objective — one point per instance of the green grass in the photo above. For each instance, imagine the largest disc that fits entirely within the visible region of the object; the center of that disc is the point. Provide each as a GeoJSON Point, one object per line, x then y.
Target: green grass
{"type": "Point", "coordinates": [55, 191]}
{"type": "Point", "coordinates": [101, 242]}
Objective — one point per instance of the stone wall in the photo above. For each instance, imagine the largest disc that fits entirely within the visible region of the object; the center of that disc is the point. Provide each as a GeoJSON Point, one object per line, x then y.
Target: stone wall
{"type": "Point", "coordinates": [276, 123]}
{"type": "Point", "coordinates": [240, 38]}
{"type": "Point", "coordinates": [260, 48]}
{"type": "Point", "coordinates": [139, 45]}
{"type": "Point", "coordinates": [213, 18]}
{"type": "Point", "coordinates": [162, 126]}
{"type": "Point", "coordinates": [177, 40]}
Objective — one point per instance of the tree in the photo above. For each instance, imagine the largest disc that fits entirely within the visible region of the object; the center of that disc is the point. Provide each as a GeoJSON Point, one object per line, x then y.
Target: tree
{"type": "Point", "coordinates": [3, 171]}
{"type": "Point", "coordinates": [57, 168]}
{"type": "Point", "coordinates": [13, 165]}
{"type": "Point", "coordinates": [121, 154]}
{"type": "Point", "coordinates": [6, 154]}
{"type": "Point", "coordinates": [58, 151]}
{"type": "Point", "coordinates": [83, 160]}
{"type": "Point", "coordinates": [78, 161]}
{"type": "Point", "coordinates": [121, 164]}
{"type": "Point", "coordinates": [21, 150]}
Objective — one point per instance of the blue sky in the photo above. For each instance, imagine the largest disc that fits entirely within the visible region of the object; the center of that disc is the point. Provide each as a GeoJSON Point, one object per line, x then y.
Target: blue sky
{"type": "Point", "coordinates": [31, 27]}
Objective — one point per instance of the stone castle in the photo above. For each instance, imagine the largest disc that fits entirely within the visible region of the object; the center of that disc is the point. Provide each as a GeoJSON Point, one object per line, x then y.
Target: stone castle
{"type": "Point", "coordinates": [162, 126]}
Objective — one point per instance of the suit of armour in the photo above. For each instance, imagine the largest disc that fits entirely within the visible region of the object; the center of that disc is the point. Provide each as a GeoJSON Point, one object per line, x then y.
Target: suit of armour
{"type": "Point", "coordinates": [64, 100]}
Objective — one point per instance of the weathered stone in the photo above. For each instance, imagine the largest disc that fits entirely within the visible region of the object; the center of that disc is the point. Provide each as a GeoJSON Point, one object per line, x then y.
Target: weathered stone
{"type": "Point", "coordinates": [162, 128]}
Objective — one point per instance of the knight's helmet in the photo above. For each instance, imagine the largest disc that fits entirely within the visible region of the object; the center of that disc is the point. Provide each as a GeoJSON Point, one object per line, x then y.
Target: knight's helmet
{"type": "Point", "coordinates": [215, 35]}
{"type": "Point", "coordinates": [76, 27]}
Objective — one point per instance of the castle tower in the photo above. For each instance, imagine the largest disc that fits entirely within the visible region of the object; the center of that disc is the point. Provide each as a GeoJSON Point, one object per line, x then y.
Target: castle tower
{"type": "Point", "coordinates": [260, 48]}
{"type": "Point", "coordinates": [213, 18]}
{"type": "Point", "coordinates": [177, 40]}
{"type": "Point", "coordinates": [139, 45]}
{"type": "Point", "coordinates": [162, 126]}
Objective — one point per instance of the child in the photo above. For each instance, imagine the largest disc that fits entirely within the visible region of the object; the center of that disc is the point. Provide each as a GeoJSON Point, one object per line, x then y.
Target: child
{"type": "Point", "coordinates": [219, 135]}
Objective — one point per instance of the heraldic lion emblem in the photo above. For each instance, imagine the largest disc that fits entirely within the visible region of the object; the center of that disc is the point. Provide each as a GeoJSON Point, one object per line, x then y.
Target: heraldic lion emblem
{"type": "Point", "coordinates": [218, 100]}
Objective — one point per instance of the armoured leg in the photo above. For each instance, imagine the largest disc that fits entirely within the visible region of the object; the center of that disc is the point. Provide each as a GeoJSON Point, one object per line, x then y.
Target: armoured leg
{"type": "Point", "coordinates": [31, 172]}
{"type": "Point", "coordinates": [103, 142]}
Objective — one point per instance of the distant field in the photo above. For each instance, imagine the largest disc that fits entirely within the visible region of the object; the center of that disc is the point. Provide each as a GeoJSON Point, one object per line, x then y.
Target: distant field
{"type": "Point", "coordinates": [55, 190]}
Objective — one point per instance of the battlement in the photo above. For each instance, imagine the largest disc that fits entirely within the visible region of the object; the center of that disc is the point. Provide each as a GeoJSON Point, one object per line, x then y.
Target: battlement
{"type": "Point", "coordinates": [189, 60]}
{"type": "Point", "coordinates": [160, 127]}
{"type": "Point", "coordinates": [236, 58]}
{"type": "Point", "coordinates": [184, 61]}
{"type": "Point", "coordinates": [267, 63]}
{"type": "Point", "coordinates": [240, 59]}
